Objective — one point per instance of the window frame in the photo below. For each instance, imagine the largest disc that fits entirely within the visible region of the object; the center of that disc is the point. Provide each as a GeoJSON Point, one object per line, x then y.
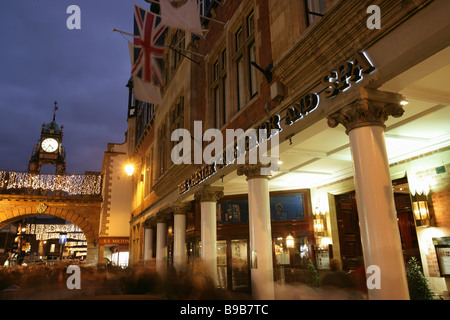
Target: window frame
{"type": "Point", "coordinates": [219, 89]}
{"type": "Point", "coordinates": [245, 75]}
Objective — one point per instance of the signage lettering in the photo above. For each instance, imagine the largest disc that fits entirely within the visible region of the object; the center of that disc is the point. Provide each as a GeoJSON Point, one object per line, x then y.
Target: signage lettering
{"type": "Point", "coordinates": [302, 107]}
{"type": "Point", "coordinates": [337, 80]}
{"type": "Point", "coordinates": [197, 177]}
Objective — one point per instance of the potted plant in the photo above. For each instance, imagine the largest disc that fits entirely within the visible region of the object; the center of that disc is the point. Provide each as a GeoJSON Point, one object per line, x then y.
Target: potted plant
{"type": "Point", "coordinates": [417, 283]}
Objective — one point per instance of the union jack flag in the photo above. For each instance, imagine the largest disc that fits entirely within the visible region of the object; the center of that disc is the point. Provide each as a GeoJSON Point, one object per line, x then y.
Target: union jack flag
{"type": "Point", "coordinates": [148, 46]}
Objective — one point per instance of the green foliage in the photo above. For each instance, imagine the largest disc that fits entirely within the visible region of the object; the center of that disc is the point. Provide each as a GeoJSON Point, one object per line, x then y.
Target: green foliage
{"type": "Point", "coordinates": [417, 283]}
{"type": "Point", "coordinates": [312, 276]}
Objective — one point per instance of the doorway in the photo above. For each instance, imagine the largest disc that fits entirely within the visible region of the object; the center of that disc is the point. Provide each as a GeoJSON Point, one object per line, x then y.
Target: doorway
{"type": "Point", "coordinates": [232, 264]}
{"type": "Point", "coordinates": [348, 226]}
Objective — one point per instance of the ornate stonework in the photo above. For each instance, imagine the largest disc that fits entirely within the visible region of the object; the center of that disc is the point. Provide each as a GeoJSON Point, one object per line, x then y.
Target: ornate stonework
{"type": "Point", "coordinates": [252, 171]}
{"type": "Point", "coordinates": [181, 208]}
{"type": "Point", "coordinates": [365, 112]}
{"type": "Point", "coordinates": [164, 215]}
{"type": "Point", "coordinates": [209, 194]}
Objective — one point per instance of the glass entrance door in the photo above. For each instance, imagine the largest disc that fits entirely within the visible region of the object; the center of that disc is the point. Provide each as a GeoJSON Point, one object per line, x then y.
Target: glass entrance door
{"type": "Point", "coordinates": [239, 265]}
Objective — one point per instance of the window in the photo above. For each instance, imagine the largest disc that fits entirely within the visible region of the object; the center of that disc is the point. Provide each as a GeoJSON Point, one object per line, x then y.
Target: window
{"type": "Point", "coordinates": [174, 56]}
{"type": "Point", "coordinates": [177, 117]}
{"type": "Point", "coordinates": [314, 10]}
{"type": "Point", "coordinates": [285, 207]}
{"type": "Point", "coordinates": [148, 172]}
{"type": "Point", "coordinates": [144, 116]}
{"type": "Point", "coordinates": [240, 82]}
{"type": "Point", "coordinates": [244, 55]}
{"type": "Point", "coordinates": [176, 121]}
{"type": "Point", "coordinates": [252, 57]}
{"type": "Point", "coordinates": [219, 90]}
{"type": "Point", "coordinates": [162, 149]}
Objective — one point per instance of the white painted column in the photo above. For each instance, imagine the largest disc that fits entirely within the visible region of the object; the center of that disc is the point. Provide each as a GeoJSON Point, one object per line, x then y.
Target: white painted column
{"type": "Point", "coordinates": [208, 198]}
{"type": "Point", "coordinates": [148, 245]}
{"type": "Point", "coordinates": [261, 259]}
{"type": "Point", "coordinates": [179, 242]}
{"type": "Point", "coordinates": [161, 247]}
{"type": "Point", "coordinates": [179, 236]}
{"type": "Point", "coordinates": [380, 236]}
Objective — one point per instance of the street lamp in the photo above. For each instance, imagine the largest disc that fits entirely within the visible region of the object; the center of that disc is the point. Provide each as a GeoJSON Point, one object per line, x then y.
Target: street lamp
{"type": "Point", "coordinates": [129, 169]}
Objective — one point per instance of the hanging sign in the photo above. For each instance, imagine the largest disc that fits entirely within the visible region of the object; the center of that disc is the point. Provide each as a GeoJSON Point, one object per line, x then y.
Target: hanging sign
{"type": "Point", "coordinates": [62, 238]}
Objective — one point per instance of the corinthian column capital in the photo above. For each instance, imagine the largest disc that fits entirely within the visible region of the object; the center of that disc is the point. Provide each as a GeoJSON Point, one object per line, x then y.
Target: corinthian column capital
{"type": "Point", "coordinates": [373, 108]}
{"type": "Point", "coordinates": [181, 208]}
{"type": "Point", "coordinates": [209, 194]}
{"type": "Point", "coordinates": [252, 171]}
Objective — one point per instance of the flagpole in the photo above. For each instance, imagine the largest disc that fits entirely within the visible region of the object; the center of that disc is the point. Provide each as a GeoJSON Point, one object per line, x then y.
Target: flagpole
{"type": "Point", "coordinates": [188, 51]}
{"type": "Point", "coordinates": [179, 52]}
{"type": "Point", "coordinates": [115, 30]}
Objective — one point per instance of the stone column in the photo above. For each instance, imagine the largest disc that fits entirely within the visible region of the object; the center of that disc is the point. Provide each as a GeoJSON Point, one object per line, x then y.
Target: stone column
{"type": "Point", "coordinates": [208, 197]}
{"type": "Point", "coordinates": [261, 260]}
{"type": "Point", "coordinates": [148, 242]}
{"type": "Point", "coordinates": [179, 235]}
{"type": "Point", "coordinates": [161, 243]}
{"type": "Point", "coordinates": [364, 120]}
{"type": "Point", "coordinates": [101, 251]}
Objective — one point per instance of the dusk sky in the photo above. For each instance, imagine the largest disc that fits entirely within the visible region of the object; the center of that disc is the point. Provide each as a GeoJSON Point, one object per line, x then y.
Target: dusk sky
{"type": "Point", "coordinates": [84, 70]}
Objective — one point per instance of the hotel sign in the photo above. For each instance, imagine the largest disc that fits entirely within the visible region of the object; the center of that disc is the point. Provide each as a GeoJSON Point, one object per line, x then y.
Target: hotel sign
{"type": "Point", "coordinates": [197, 177]}
{"type": "Point", "coordinates": [337, 80]}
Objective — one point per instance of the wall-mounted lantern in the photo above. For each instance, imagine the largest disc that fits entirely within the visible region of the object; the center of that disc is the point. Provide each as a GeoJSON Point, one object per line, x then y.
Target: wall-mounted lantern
{"type": "Point", "coordinates": [420, 209]}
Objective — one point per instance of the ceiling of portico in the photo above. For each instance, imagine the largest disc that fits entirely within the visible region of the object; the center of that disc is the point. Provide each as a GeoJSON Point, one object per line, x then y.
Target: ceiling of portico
{"type": "Point", "coordinates": [320, 155]}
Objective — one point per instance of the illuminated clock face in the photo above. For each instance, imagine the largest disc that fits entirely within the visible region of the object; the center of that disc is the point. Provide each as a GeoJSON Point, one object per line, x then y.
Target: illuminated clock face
{"type": "Point", "coordinates": [49, 145]}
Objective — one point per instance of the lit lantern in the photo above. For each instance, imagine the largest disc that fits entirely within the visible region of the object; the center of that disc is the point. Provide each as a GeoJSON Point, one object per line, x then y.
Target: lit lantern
{"type": "Point", "coordinates": [129, 169]}
{"type": "Point", "coordinates": [319, 225]}
{"type": "Point", "coordinates": [420, 209]}
{"type": "Point", "coordinates": [290, 242]}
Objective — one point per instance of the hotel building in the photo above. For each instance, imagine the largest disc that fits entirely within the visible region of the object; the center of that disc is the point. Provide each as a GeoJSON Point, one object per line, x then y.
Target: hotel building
{"type": "Point", "coordinates": [358, 96]}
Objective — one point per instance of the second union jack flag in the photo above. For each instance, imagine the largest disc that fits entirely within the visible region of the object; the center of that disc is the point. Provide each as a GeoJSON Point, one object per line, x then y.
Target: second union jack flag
{"type": "Point", "coordinates": [148, 47]}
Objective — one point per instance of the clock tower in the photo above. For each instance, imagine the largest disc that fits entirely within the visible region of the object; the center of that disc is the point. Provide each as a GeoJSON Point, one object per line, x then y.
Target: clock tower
{"type": "Point", "coordinates": [49, 149]}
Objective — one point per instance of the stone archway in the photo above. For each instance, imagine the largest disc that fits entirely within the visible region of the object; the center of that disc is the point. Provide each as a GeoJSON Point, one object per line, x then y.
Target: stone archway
{"type": "Point", "coordinates": [82, 212]}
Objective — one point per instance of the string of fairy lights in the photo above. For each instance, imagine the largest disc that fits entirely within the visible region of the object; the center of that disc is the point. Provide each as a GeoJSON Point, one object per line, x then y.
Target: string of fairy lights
{"type": "Point", "coordinates": [53, 231]}
{"type": "Point", "coordinates": [75, 184]}
{"type": "Point", "coordinates": [76, 240]}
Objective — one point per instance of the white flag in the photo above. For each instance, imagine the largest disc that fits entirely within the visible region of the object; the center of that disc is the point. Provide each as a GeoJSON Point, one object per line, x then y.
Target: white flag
{"type": "Point", "coordinates": [146, 92]}
{"type": "Point", "coordinates": [143, 90]}
{"type": "Point", "coordinates": [181, 14]}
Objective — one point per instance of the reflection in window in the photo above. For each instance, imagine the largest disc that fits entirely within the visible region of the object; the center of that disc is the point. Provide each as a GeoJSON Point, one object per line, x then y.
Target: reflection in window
{"type": "Point", "coordinates": [314, 10]}
{"type": "Point", "coordinates": [222, 264]}
{"type": "Point", "coordinates": [282, 208]}
{"type": "Point", "coordinates": [288, 261]}
{"type": "Point", "coordinates": [239, 267]}
{"type": "Point", "coordinates": [291, 256]}
{"type": "Point", "coordinates": [232, 211]}
{"type": "Point", "coordinates": [287, 207]}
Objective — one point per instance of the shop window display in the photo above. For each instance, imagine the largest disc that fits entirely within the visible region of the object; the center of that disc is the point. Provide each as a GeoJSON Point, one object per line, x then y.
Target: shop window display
{"type": "Point", "coordinates": [282, 208]}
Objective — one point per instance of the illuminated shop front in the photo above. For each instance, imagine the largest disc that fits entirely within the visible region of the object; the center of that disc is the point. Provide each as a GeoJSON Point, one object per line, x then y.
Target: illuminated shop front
{"type": "Point", "coordinates": [115, 251]}
{"type": "Point", "coordinates": [290, 216]}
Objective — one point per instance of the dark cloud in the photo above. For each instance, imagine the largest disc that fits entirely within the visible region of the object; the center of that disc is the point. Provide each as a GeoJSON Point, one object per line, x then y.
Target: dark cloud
{"type": "Point", "coordinates": [85, 70]}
